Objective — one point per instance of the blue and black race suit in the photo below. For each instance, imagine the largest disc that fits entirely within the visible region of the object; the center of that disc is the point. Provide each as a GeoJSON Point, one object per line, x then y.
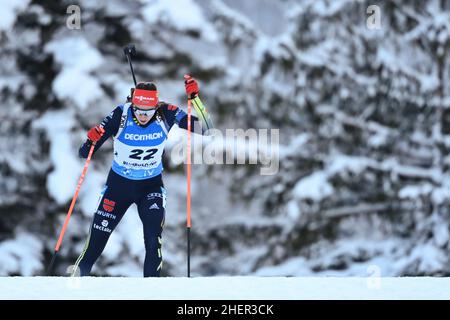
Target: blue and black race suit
{"type": "Point", "coordinates": [135, 177]}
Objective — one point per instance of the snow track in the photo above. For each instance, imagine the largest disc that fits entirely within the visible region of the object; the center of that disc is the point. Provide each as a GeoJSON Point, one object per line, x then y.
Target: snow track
{"type": "Point", "coordinates": [224, 288]}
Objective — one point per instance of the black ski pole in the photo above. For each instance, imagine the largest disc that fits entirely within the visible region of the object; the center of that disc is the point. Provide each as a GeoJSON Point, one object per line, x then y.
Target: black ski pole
{"type": "Point", "coordinates": [188, 230]}
{"type": "Point", "coordinates": [129, 51]}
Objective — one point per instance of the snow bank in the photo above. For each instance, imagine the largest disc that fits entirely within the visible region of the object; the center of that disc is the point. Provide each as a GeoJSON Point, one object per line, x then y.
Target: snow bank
{"type": "Point", "coordinates": [224, 288]}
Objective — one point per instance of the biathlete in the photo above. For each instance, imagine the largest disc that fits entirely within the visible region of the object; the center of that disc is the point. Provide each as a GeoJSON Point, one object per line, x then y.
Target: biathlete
{"type": "Point", "coordinates": [139, 129]}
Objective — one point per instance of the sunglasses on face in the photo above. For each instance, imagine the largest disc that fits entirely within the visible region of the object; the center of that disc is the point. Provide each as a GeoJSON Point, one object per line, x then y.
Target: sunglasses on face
{"type": "Point", "coordinates": [143, 112]}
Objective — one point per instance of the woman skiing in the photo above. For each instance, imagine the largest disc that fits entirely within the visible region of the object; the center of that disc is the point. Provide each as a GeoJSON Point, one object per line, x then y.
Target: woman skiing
{"type": "Point", "coordinates": [139, 128]}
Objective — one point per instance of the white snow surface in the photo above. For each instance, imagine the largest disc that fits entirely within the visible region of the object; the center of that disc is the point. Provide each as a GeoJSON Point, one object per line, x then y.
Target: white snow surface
{"type": "Point", "coordinates": [224, 288]}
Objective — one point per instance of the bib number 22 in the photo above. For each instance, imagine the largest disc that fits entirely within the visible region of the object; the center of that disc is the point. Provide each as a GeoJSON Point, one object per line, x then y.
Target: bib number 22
{"type": "Point", "coordinates": [137, 154]}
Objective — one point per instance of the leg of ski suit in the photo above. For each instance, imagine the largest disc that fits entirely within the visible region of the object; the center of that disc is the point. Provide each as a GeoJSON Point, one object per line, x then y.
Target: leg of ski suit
{"type": "Point", "coordinates": [116, 198]}
{"type": "Point", "coordinates": [151, 209]}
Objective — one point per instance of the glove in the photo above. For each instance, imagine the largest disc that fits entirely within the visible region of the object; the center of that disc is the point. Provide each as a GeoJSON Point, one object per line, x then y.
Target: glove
{"type": "Point", "coordinates": [95, 133]}
{"type": "Point", "coordinates": [191, 86]}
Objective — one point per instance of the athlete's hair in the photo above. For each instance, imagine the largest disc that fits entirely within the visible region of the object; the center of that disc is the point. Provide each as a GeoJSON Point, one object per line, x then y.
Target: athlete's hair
{"type": "Point", "coordinates": [146, 86]}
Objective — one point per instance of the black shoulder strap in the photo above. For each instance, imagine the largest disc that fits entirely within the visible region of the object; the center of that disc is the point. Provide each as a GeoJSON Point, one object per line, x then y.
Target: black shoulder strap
{"type": "Point", "coordinates": [123, 119]}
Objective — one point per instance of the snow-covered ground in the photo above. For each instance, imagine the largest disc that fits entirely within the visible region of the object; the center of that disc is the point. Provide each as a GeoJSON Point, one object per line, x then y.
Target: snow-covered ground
{"type": "Point", "coordinates": [225, 288]}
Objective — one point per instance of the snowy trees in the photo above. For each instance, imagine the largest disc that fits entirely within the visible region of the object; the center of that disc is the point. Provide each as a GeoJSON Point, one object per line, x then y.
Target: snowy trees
{"type": "Point", "coordinates": [364, 121]}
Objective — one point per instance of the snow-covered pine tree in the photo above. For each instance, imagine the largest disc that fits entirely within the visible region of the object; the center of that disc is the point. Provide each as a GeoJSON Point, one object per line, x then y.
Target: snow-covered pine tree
{"type": "Point", "coordinates": [363, 115]}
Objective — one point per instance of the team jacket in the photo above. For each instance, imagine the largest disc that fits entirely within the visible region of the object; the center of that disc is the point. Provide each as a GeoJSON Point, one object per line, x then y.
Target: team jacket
{"type": "Point", "coordinates": [138, 149]}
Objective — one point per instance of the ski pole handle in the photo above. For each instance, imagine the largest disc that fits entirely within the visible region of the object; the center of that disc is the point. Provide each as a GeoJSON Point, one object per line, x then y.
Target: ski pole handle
{"type": "Point", "coordinates": [129, 51]}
